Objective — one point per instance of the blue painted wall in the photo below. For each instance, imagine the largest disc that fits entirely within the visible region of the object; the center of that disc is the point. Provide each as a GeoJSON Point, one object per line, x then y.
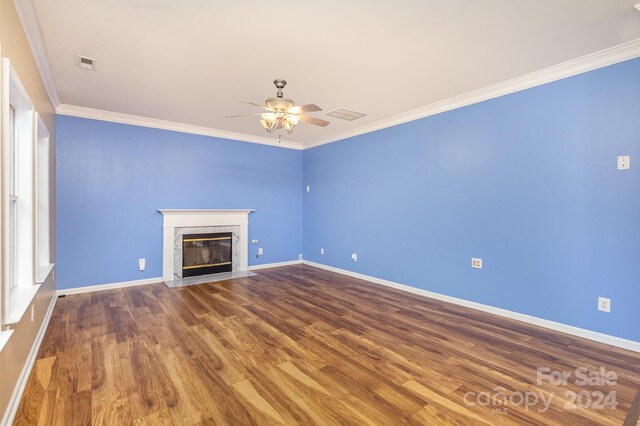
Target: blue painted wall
{"type": "Point", "coordinates": [528, 182]}
{"type": "Point", "coordinates": [112, 178]}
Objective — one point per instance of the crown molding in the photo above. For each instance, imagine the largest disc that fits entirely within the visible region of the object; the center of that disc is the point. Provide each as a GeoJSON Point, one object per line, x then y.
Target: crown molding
{"type": "Point", "coordinates": [136, 120]}
{"type": "Point", "coordinates": [31, 28]}
{"type": "Point", "coordinates": [592, 61]}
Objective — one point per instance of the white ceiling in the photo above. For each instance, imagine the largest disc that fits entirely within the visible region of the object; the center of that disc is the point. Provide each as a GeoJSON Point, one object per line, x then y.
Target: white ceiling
{"type": "Point", "coordinates": [191, 61]}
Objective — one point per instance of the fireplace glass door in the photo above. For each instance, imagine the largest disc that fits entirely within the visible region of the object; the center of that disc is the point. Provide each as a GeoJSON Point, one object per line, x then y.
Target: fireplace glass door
{"type": "Point", "coordinates": [204, 254]}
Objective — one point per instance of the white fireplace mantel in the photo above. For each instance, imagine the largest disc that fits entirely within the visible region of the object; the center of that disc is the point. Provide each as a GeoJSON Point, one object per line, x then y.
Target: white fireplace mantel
{"type": "Point", "coordinates": [185, 218]}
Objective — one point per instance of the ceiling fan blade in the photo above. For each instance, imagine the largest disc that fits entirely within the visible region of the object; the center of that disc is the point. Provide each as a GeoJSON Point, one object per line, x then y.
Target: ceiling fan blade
{"type": "Point", "coordinates": [314, 121]}
{"type": "Point", "coordinates": [304, 108]}
{"type": "Point", "coordinates": [243, 115]}
{"type": "Point", "coordinates": [258, 105]}
{"type": "Point", "coordinates": [254, 104]}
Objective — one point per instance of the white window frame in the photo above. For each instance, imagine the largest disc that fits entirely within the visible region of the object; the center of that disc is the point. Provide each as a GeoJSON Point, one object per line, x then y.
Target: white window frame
{"type": "Point", "coordinates": [41, 201]}
{"type": "Point", "coordinates": [15, 301]}
{"type": "Point", "coordinates": [12, 210]}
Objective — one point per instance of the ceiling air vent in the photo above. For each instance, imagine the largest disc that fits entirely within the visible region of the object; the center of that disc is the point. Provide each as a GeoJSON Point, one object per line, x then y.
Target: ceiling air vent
{"type": "Point", "coordinates": [86, 62]}
{"type": "Point", "coordinates": [346, 114]}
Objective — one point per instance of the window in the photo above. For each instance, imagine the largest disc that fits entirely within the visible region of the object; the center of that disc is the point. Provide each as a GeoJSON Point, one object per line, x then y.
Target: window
{"type": "Point", "coordinates": [18, 197]}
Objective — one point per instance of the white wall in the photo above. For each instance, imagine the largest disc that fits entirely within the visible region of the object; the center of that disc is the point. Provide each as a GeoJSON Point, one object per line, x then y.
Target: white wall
{"type": "Point", "coordinates": [14, 46]}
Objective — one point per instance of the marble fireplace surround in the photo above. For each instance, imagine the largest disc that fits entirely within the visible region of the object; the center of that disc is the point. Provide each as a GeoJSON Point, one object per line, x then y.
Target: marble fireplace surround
{"type": "Point", "coordinates": [181, 221]}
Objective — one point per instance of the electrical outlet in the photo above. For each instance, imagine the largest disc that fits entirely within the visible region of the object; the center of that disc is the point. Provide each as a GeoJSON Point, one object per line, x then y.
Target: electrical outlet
{"type": "Point", "coordinates": [354, 257]}
{"type": "Point", "coordinates": [476, 263]}
{"type": "Point", "coordinates": [53, 275]}
{"type": "Point", "coordinates": [604, 304]}
{"type": "Point", "coordinates": [142, 264]}
{"type": "Point", "coordinates": [624, 162]}
{"type": "Point", "coordinates": [260, 251]}
{"type": "Point", "coordinates": [308, 188]}
{"type": "Point", "coordinates": [321, 251]}
{"type": "Point", "coordinates": [254, 241]}
{"type": "Point", "coordinates": [33, 312]}
{"type": "Point", "coordinates": [299, 257]}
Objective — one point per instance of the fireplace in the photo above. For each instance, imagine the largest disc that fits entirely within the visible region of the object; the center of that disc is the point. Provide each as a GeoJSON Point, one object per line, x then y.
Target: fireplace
{"type": "Point", "coordinates": [179, 224]}
{"type": "Point", "coordinates": [204, 254]}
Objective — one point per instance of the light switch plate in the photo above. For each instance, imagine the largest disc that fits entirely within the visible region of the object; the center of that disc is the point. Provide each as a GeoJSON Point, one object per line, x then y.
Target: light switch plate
{"type": "Point", "coordinates": [624, 162]}
{"type": "Point", "coordinates": [476, 263]}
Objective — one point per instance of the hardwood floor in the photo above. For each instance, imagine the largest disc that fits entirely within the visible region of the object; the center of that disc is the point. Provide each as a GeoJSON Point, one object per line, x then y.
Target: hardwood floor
{"type": "Point", "coordinates": [300, 345]}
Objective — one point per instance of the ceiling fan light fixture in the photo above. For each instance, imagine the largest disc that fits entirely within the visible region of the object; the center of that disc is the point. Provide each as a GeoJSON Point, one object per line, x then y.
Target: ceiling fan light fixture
{"type": "Point", "coordinates": [269, 121]}
{"type": "Point", "coordinates": [266, 126]}
{"type": "Point", "coordinates": [289, 122]}
{"type": "Point", "coordinates": [293, 119]}
{"type": "Point", "coordinates": [283, 114]}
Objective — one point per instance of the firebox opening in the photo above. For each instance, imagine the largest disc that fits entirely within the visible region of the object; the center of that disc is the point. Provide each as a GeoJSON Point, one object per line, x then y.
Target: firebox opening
{"type": "Point", "coordinates": [204, 254]}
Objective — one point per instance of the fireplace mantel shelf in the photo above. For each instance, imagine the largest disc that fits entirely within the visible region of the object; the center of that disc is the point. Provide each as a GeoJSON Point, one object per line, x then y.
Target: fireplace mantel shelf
{"type": "Point", "coordinates": [163, 211]}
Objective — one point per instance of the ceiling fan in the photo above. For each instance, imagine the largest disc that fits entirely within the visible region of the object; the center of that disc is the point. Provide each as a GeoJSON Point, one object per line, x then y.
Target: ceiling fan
{"type": "Point", "coordinates": [282, 112]}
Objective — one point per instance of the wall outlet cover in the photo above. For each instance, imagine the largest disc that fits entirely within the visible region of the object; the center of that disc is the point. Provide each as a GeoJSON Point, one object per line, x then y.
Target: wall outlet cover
{"type": "Point", "coordinates": [260, 251]}
{"type": "Point", "coordinates": [254, 241]}
{"type": "Point", "coordinates": [354, 257]}
{"type": "Point", "coordinates": [321, 251]}
{"type": "Point", "coordinates": [624, 162]}
{"type": "Point", "coordinates": [142, 264]}
{"type": "Point", "coordinates": [604, 304]}
{"type": "Point", "coordinates": [299, 257]}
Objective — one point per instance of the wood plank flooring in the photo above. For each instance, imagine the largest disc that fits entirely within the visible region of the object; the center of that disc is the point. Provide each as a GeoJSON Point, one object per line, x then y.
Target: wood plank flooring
{"type": "Point", "coordinates": [300, 345]}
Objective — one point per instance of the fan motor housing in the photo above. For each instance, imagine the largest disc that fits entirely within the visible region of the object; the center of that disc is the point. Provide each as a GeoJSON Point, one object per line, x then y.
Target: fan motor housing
{"type": "Point", "coordinates": [279, 104]}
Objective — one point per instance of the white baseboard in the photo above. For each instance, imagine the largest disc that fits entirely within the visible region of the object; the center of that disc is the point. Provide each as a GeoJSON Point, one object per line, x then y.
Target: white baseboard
{"type": "Point", "coordinates": [146, 281]}
{"type": "Point", "coordinates": [14, 402]}
{"type": "Point", "coordinates": [275, 265]}
{"type": "Point", "coordinates": [552, 325]}
{"type": "Point", "coordinates": [100, 287]}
